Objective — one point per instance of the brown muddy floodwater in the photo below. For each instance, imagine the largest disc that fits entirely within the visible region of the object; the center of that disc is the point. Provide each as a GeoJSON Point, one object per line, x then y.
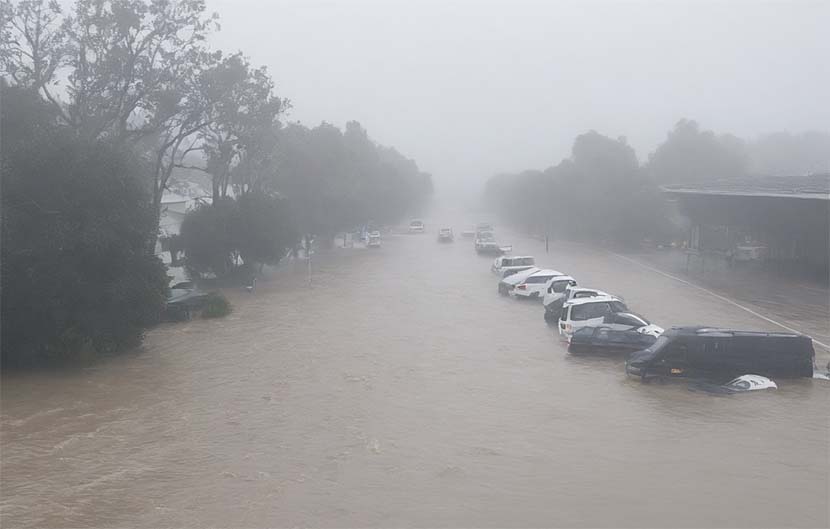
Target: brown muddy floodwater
{"type": "Point", "coordinates": [399, 389]}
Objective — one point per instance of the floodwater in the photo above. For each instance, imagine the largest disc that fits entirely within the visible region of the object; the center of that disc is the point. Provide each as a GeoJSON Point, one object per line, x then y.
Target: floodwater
{"type": "Point", "coordinates": [397, 388]}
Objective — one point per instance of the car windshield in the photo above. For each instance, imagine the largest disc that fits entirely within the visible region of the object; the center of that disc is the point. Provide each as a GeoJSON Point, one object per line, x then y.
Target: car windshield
{"type": "Point", "coordinates": [590, 311]}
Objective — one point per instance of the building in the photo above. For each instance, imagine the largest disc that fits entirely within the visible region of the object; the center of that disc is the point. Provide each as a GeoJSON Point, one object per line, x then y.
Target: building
{"type": "Point", "coordinates": [781, 223]}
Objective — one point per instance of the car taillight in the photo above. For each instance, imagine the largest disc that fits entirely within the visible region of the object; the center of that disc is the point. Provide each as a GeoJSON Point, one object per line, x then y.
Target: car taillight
{"type": "Point", "coordinates": [568, 327]}
{"type": "Point", "coordinates": [522, 287]}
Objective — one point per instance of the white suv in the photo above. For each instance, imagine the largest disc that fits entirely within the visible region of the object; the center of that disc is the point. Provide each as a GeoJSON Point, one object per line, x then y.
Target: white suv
{"type": "Point", "coordinates": [553, 302]}
{"type": "Point", "coordinates": [533, 286]}
{"type": "Point", "coordinates": [587, 312]}
{"type": "Point", "coordinates": [557, 289]}
{"type": "Point", "coordinates": [505, 266]}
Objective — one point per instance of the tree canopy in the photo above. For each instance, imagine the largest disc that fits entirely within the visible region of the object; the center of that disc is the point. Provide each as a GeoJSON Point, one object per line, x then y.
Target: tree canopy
{"type": "Point", "coordinates": [76, 216]}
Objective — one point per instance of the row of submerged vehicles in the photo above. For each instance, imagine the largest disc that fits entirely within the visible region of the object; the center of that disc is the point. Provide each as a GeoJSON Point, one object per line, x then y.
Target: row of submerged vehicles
{"type": "Point", "coordinates": [593, 321]}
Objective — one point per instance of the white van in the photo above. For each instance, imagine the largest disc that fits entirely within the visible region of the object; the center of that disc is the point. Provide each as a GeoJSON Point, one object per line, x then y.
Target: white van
{"type": "Point", "coordinates": [505, 266]}
{"type": "Point", "coordinates": [587, 312]}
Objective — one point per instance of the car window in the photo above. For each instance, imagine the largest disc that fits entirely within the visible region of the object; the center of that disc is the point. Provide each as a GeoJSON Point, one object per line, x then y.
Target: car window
{"type": "Point", "coordinates": [564, 315]}
{"type": "Point", "coordinates": [584, 294]}
{"type": "Point", "coordinates": [675, 354]}
{"type": "Point", "coordinates": [628, 319]}
{"type": "Point", "coordinates": [560, 286]}
{"type": "Point", "coordinates": [526, 261]}
{"type": "Point", "coordinates": [618, 306]}
{"type": "Point", "coordinates": [537, 279]}
{"type": "Point", "coordinates": [590, 311]}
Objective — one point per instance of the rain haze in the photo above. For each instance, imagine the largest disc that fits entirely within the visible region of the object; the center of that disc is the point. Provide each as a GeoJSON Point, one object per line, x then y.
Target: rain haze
{"type": "Point", "coordinates": [472, 88]}
{"type": "Point", "coordinates": [302, 263]}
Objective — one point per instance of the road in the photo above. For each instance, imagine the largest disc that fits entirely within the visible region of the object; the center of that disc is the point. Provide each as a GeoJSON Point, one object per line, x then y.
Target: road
{"type": "Point", "coordinates": [398, 389]}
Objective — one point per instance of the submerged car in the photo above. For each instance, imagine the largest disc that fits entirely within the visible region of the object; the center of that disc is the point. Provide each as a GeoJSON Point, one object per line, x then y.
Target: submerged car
{"type": "Point", "coordinates": [556, 291]}
{"type": "Point", "coordinates": [509, 283]}
{"type": "Point", "coordinates": [606, 339]}
{"type": "Point", "coordinates": [185, 298]}
{"type": "Point", "coordinates": [703, 352]}
{"type": "Point", "coordinates": [533, 286]}
{"type": "Point", "coordinates": [485, 243]}
{"type": "Point", "coordinates": [445, 235]}
{"type": "Point", "coordinates": [554, 302]}
{"type": "Point", "coordinates": [416, 226]}
{"type": "Point", "coordinates": [587, 312]}
{"type": "Point", "coordinates": [374, 240]}
{"type": "Point", "coordinates": [482, 227]}
{"type": "Point", "coordinates": [508, 265]}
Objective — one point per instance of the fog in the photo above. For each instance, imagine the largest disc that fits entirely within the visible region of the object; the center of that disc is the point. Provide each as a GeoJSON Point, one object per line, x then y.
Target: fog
{"type": "Point", "coordinates": [472, 88]}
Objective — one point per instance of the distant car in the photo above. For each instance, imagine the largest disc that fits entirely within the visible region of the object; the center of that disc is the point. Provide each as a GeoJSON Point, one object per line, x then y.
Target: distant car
{"type": "Point", "coordinates": [606, 339]}
{"type": "Point", "coordinates": [445, 235]}
{"type": "Point", "coordinates": [416, 226]}
{"type": "Point", "coordinates": [486, 243]}
{"type": "Point", "coordinates": [556, 291]}
{"type": "Point", "coordinates": [484, 227]}
{"type": "Point", "coordinates": [509, 283]}
{"type": "Point", "coordinates": [184, 299]}
{"type": "Point", "coordinates": [553, 302]}
{"type": "Point", "coordinates": [533, 286]}
{"type": "Point", "coordinates": [587, 312]}
{"type": "Point", "coordinates": [507, 265]}
{"type": "Point", "coordinates": [721, 354]}
{"type": "Point", "coordinates": [374, 240]}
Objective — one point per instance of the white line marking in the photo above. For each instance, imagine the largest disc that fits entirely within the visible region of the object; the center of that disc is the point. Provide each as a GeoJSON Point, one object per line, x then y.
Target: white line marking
{"type": "Point", "coordinates": [722, 298]}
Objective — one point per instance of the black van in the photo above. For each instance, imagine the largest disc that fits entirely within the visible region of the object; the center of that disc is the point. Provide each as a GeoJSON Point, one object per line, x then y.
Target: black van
{"type": "Point", "coordinates": [702, 352]}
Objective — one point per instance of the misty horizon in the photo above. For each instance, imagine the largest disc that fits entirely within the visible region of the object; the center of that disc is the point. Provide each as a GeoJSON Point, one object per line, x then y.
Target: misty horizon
{"type": "Point", "coordinates": [470, 90]}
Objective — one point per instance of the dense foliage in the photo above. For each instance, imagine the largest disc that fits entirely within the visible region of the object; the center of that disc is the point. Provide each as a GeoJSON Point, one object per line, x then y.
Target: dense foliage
{"type": "Point", "coordinates": [76, 217]}
{"type": "Point", "coordinates": [336, 179]}
{"type": "Point", "coordinates": [599, 193]}
{"type": "Point", "coordinates": [253, 227]}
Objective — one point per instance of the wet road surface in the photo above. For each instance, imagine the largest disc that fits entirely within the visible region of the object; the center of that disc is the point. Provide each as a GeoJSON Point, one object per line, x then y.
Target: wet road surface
{"type": "Point", "coordinates": [399, 389]}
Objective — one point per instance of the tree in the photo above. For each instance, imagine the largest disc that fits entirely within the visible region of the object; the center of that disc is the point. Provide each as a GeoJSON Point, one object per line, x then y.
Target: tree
{"type": "Point", "coordinates": [244, 113]}
{"type": "Point", "coordinates": [600, 193]}
{"type": "Point", "coordinates": [690, 155]}
{"type": "Point", "coordinates": [254, 226]}
{"type": "Point", "coordinates": [76, 217]}
{"type": "Point", "coordinates": [785, 154]}
{"type": "Point", "coordinates": [334, 179]}
{"type": "Point", "coordinates": [132, 70]}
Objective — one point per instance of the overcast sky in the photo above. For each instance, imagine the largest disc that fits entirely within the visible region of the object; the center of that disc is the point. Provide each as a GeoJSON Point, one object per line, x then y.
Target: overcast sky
{"type": "Point", "coordinates": [470, 88]}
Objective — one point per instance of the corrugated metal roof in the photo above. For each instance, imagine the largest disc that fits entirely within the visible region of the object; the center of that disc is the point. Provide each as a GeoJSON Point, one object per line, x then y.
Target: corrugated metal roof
{"type": "Point", "coordinates": [816, 186]}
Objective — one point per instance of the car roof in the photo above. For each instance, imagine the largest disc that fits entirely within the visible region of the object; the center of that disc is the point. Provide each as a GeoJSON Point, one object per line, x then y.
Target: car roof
{"type": "Point", "coordinates": [580, 288]}
{"type": "Point", "coordinates": [546, 272]}
{"type": "Point", "coordinates": [595, 299]}
{"type": "Point", "coordinates": [562, 278]}
{"type": "Point", "coordinates": [520, 276]}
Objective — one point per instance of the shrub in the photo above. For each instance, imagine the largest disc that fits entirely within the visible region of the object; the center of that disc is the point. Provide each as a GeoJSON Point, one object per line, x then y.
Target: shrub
{"type": "Point", "coordinates": [216, 306]}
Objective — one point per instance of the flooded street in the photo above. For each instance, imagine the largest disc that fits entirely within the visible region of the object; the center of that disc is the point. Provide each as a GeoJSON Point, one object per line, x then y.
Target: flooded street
{"type": "Point", "coordinates": [399, 389]}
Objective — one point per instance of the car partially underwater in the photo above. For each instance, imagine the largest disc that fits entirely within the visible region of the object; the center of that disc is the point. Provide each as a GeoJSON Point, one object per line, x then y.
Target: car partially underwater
{"type": "Point", "coordinates": [722, 354]}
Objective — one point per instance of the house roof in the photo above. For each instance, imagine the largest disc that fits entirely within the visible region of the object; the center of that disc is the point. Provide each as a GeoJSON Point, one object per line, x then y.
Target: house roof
{"type": "Point", "coordinates": [815, 186]}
